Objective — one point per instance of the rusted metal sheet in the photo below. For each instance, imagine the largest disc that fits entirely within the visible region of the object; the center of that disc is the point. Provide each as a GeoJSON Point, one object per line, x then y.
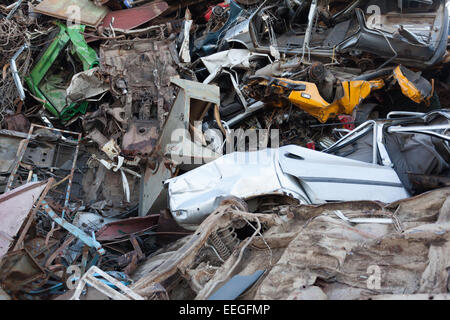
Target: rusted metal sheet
{"type": "Point", "coordinates": [127, 227]}
{"type": "Point", "coordinates": [18, 270]}
{"type": "Point", "coordinates": [168, 230]}
{"type": "Point", "coordinates": [131, 18]}
{"type": "Point", "coordinates": [15, 206]}
{"type": "Point", "coordinates": [17, 122]}
{"type": "Point", "coordinates": [141, 138]}
{"type": "Point", "coordinates": [130, 260]}
{"type": "Point", "coordinates": [84, 10]}
{"type": "Point", "coordinates": [40, 249]}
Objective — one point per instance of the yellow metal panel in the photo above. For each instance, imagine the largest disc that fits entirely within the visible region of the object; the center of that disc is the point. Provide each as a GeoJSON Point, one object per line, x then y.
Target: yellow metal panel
{"type": "Point", "coordinates": [408, 88]}
{"type": "Point", "coordinates": [312, 102]}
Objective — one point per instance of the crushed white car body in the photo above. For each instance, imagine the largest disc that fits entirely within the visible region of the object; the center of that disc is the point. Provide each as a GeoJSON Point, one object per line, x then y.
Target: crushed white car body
{"type": "Point", "coordinates": [309, 176]}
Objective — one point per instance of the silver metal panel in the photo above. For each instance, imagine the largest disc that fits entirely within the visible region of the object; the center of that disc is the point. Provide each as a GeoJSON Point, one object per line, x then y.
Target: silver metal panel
{"type": "Point", "coordinates": [332, 178]}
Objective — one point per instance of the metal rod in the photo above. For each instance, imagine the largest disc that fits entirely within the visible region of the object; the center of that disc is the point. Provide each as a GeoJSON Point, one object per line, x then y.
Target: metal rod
{"type": "Point", "coordinates": [11, 13]}
{"type": "Point", "coordinates": [419, 128]}
{"type": "Point", "coordinates": [72, 171]}
{"type": "Point", "coordinates": [15, 72]}
{"type": "Point", "coordinates": [312, 14]}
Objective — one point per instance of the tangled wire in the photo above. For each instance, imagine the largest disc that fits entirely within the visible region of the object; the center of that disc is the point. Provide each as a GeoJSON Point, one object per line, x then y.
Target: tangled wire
{"type": "Point", "coordinates": [12, 37]}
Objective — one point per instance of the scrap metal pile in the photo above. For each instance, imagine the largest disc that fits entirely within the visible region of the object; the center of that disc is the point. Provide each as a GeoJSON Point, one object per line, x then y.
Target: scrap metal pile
{"type": "Point", "coordinates": [240, 149]}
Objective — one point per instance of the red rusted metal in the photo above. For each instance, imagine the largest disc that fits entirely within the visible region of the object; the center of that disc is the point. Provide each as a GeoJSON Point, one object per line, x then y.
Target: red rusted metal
{"type": "Point", "coordinates": [126, 227]}
{"type": "Point", "coordinates": [168, 230]}
{"type": "Point", "coordinates": [141, 138]}
{"type": "Point", "coordinates": [17, 122]}
{"type": "Point", "coordinates": [131, 18]}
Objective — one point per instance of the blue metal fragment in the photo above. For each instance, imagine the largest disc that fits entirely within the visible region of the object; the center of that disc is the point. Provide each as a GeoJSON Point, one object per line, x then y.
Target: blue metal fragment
{"type": "Point", "coordinates": [80, 234]}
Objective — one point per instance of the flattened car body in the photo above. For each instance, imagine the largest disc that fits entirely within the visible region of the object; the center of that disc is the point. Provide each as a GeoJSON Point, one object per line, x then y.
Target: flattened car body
{"type": "Point", "coordinates": [413, 33]}
{"type": "Point", "coordinates": [306, 175]}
